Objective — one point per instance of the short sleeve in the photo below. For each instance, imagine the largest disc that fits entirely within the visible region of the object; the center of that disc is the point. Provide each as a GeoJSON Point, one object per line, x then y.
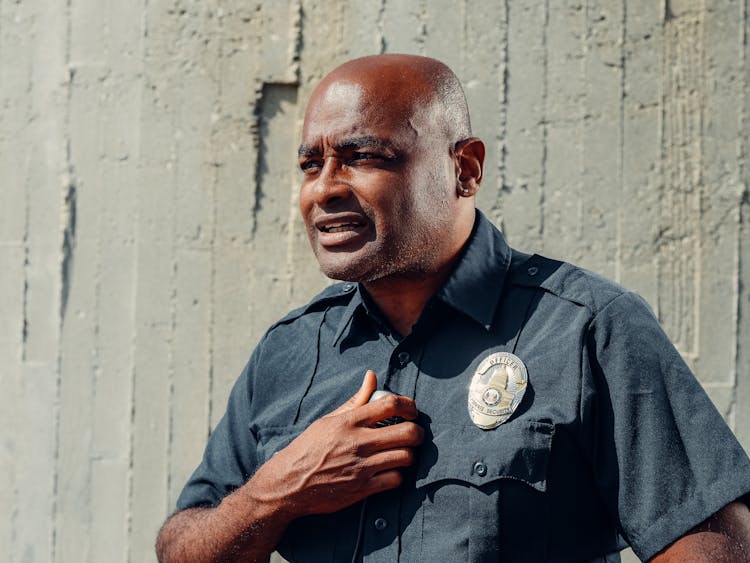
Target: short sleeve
{"type": "Point", "coordinates": [230, 455]}
{"type": "Point", "coordinates": [663, 458]}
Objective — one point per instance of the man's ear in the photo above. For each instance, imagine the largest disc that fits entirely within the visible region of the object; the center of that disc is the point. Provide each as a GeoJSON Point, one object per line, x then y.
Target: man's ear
{"type": "Point", "coordinates": [469, 155]}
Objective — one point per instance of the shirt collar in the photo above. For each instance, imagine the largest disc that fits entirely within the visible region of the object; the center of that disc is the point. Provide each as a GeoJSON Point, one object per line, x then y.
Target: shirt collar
{"type": "Point", "coordinates": [348, 315]}
{"type": "Point", "coordinates": [475, 285]}
{"type": "Point", "coordinates": [360, 301]}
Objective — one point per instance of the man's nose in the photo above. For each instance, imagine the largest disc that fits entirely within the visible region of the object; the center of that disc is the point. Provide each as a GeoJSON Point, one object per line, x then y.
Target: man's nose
{"type": "Point", "coordinates": [332, 183]}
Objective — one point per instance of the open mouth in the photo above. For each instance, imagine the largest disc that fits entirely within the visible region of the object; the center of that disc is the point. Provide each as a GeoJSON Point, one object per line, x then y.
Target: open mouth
{"type": "Point", "coordinates": [341, 227]}
{"type": "Point", "coordinates": [344, 229]}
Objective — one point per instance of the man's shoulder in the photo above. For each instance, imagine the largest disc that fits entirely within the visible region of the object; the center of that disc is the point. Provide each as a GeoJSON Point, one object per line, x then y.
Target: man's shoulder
{"type": "Point", "coordinates": [565, 280]}
{"type": "Point", "coordinates": [336, 294]}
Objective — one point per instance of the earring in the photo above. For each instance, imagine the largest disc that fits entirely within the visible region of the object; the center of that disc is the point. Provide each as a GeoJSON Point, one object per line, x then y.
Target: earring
{"type": "Point", "coordinates": [465, 191]}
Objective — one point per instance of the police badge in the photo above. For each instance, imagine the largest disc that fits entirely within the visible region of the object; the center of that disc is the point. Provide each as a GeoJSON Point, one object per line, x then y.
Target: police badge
{"type": "Point", "coordinates": [496, 389]}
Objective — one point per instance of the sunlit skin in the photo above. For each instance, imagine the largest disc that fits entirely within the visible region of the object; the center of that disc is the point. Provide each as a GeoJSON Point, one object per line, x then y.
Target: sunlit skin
{"type": "Point", "coordinates": [379, 193]}
{"type": "Point", "coordinates": [387, 197]}
{"type": "Point", "coordinates": [370, 185]}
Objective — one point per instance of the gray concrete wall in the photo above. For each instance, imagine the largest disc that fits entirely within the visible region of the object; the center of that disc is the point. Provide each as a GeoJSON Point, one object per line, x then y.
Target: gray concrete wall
{"type": "Point", "coordinates": [148, 224]}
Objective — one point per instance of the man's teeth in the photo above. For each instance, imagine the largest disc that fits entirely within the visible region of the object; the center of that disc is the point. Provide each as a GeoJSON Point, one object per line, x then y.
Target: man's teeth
{"type": "Point", "coordinates": [340, 227]}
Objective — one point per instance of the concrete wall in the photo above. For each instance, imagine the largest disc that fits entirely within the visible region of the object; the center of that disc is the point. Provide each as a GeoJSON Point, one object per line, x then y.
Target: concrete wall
{"type": "Point", "coordinates": [149, 232]}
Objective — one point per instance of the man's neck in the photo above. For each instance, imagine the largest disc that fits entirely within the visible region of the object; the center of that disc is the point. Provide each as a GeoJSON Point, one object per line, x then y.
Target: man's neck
{"type": "Point", "coordinates": [402, 299]}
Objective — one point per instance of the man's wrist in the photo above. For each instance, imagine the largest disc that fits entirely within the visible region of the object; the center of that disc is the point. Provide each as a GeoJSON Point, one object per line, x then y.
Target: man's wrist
{"type": "Point", "coordinates": [263, 500]}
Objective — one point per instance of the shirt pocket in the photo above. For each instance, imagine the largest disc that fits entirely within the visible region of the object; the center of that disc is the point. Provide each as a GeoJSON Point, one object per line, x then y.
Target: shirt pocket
{"type": "Point", "coordinates": [271, 439]}
{"type": "Point", "coordinates": [484, 491]}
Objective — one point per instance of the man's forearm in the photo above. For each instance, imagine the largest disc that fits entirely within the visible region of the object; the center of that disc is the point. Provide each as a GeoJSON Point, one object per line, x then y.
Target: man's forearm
{"type": "Point", "coordinates": [723, 538]}
{"type": "Point", "coordinates": [239, 529]}
{"type": "Point", "coordinates": [335, 462]}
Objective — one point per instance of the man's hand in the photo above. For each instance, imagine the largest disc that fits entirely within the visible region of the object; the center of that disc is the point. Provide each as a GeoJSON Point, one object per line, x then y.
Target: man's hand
{"type": "Point", "coordinates": [341, 458]}
{"type": "Point", "coordinates": [337, 461]}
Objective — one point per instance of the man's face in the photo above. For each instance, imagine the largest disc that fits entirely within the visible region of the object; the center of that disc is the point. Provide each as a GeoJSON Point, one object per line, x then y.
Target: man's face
{"type": "Point", "coordinates": [377, 186]}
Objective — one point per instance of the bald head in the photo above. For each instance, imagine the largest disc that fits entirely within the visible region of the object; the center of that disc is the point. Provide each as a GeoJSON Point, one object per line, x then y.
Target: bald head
{"type": "Point", "coordinates": [408, 83]}
{"type": "Point", "coordinates": [390, 169]}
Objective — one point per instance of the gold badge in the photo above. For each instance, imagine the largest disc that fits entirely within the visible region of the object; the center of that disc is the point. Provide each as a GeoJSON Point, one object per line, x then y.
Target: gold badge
{"type": "Point", "coordinates": [496, 389]}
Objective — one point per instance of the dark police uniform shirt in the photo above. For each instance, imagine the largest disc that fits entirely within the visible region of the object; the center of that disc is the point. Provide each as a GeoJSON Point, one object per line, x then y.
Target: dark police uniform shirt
{"type": "Point", "coordinates": [614, 441]}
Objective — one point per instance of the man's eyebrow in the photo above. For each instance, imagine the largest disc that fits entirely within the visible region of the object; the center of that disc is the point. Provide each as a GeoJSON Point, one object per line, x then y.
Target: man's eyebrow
{"type": "Point", "coordinates": [365, 141]}
{"type": "Point", "coordinates": [307, 150]}
{"type": "Point", "coordinates": [350, 143]}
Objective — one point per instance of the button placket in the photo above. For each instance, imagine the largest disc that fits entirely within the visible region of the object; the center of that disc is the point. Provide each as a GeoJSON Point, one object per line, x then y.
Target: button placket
{"type": "Point", "coordinates": [381, 518]}
{"type": "Point", "coordinates": [403, 368]}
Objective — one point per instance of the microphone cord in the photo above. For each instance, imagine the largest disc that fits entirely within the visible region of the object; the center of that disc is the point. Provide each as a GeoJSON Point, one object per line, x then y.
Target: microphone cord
{"type": "Point", "coordinates": [360, 530]}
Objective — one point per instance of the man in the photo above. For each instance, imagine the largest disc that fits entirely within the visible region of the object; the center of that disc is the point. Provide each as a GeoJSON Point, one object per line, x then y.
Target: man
{"type": "Point", "coordinates": [542, 413]}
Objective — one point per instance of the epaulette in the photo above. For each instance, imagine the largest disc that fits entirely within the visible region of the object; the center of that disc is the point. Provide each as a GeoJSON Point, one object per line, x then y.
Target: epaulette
{"type": "Point", "coordinates": [341, 291]}
{"type": "Point", "coordinates": [564, 280]}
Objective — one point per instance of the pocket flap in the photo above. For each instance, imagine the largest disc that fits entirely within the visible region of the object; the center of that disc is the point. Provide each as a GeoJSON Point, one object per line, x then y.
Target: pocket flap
{"type": "Point", "coordinates": [517, 450]}
{"type": "Point", "coordinates": [271, 439]}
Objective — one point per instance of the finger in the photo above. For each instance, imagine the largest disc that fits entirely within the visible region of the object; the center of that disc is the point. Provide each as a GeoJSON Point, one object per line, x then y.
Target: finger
{"type": "Point", "coordinates": [383, 481]}
{"type": "Point", "coordinates": [369, 384]}
{"type": "Point", "coordinates": [405, 434]}
{"type": "Point", "coordinates": [386, 407]}
{"type": "Point", "coordinates": [391, 459]}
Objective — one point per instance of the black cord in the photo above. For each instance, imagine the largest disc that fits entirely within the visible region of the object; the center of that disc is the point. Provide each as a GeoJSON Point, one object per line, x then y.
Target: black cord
{"type": "Point", "coordinates": [360, 529]}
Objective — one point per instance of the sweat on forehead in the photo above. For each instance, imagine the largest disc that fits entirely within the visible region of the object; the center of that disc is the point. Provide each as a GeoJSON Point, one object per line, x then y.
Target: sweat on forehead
{"type": "Point", "coordinates": [401, 83]}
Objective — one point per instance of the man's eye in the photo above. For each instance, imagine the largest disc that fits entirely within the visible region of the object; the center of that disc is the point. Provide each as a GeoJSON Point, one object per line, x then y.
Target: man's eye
{"type": "Point", "coordinates": [365, 156]}
{"type": "Point", "coordinates": [309, 166]}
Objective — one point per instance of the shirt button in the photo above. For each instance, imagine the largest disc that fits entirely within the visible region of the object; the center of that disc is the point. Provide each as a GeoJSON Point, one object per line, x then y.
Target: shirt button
{"type": "Point", "coordinates": [403, 358]}
{"type": "Point", "coordinates": [381, 524]}
{"type": "Point", "coordinates": [532, 271]}
{"type": "Point", "coordinates": [348, 287]}
{"type": "Point", "coordinates": [480, 469]}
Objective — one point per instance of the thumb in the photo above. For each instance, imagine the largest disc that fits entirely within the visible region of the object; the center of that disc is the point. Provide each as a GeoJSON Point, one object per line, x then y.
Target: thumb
{"type": "Point", "coordinates": [369, 384]}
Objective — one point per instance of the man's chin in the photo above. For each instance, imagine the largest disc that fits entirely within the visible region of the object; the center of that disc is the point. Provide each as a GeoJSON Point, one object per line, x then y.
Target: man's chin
{"type": "Point", "coordinates": [351, 270]}
{"type": "Point", "coordinates": [340, 273]}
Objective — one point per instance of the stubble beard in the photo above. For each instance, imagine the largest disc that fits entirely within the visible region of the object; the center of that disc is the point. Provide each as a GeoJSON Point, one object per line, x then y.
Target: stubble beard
{"type": "Point", "coordinates": [415, 259]}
